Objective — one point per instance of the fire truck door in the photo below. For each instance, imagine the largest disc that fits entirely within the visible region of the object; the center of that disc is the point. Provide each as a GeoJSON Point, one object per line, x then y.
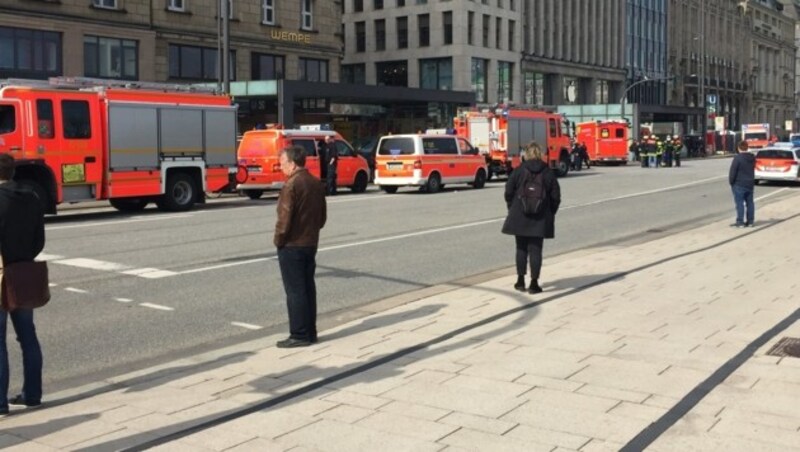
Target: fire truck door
{"type": "Point", "coordinates": [345, 168]}
{"type": "Point", "coordinates": [81, 150]}
{"type": "Point", "coordinates": [11, 130]}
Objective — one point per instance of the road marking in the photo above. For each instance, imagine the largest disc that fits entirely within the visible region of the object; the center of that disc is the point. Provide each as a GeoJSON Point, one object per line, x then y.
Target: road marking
{"type": "Point", "coordinates": [249, 326]}
{"type": "Point", "coordinates": [771, 194]}
{"type": "Point", "coordinates": [48, 257]}
{"type": "Point", "coordinates": [137, 219]}
{"type": "Point", "coordinates": [149, 273]}
{"type": "Point", "coordinates": [73, 289]}
{"type": "Point", "coordinates": [92, 264]}
{"type": "Point", "coordinates": [156, 306]}
{"type": "Point", "coordinates": [123, 300]}
{"type": "Point", "coordinates": [52, 284]}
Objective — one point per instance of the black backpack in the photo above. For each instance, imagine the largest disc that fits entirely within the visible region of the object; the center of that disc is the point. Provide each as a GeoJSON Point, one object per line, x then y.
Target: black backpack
{"type": "Point", "coordinates": [532, 194]}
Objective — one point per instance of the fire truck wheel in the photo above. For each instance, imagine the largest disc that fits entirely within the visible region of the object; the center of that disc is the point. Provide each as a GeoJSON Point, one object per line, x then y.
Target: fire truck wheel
{"type": "Point", "coordinates": [128, 205]}
{"type": "Point", "coordinates": [480, 179]}
{"type": "Point", "coordinates": [254, 194]}
{"type": "Point", "coordinates": [360, 184]}
{"type": "Point", "coordinates": [563, 167]}
{"type": "Point", "coordinates": [389, 188]}
{"type": "Point", "coordinates": [180, 194]}
{"type": "Point", "coordinates": [434, 183]}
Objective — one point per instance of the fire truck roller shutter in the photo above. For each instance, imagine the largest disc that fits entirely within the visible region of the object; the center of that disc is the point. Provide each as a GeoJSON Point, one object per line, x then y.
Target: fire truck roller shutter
{"type": "Point", "coordinates": [180, 132]}
{"type": "Point", "coordinates": [220, 136]}
{"type": "Point", "coordinates": [132, 136]}
{"type": "Point", "coordinates": [512, 138]}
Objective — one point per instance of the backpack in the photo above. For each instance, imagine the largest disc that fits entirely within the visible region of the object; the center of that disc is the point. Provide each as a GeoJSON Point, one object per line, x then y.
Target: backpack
{"type": "Point", "coordinates": [532, 194]}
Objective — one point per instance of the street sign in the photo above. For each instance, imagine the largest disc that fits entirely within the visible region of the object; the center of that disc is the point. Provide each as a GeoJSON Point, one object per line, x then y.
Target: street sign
{"type": "Point", "coordinates": [711, 99]}
{"type": "Point", "coordinates": [719, 123]}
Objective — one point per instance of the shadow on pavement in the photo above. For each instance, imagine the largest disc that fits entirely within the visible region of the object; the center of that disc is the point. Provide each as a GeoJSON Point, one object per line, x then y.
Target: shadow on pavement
{"type": "Point", "coordinates": [33, 432]}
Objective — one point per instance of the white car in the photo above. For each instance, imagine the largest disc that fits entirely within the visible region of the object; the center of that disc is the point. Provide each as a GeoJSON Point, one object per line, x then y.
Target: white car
{"type": "Point", "coordinates": [778, 163]}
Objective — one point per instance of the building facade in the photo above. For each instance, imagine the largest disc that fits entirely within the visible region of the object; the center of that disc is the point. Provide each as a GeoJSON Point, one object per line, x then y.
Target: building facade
{"type": "Point", "coordinates": [647, 73]}
{"type": "Point", "coordinates": [169, 40]}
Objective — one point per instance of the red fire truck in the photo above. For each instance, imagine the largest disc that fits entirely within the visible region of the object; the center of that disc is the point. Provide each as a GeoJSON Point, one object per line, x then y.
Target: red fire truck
{"type": "Point", "coordinates": [606, 141]}
{"type": "Point", "coordinates": [79, 139]}
{"type": "Point", "coordinates": [501, 133]}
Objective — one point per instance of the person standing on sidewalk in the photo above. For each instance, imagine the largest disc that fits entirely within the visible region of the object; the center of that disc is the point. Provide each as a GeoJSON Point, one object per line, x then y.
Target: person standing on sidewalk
{"type": "Point", "coordinates": [302, 212]}
{"type": "Point", "coordinates": [742, 179]}
{"type": "Point", "coordinates": [331, 162]}
{"type": "Point", "coordinates": [21, 240]}
{"type": "Point", "coordinates": [530, 231]}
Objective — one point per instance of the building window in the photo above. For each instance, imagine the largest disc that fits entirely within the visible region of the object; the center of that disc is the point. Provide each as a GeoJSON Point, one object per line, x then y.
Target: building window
{"type": "Point", "coordinates": [197, 63]}
{"type": "Point", "coordinates": [486, 20]}
{"type": "Point", "coordinates": [268, 9]}
{"type": "Point", "coordinates": [424, 26]}
{"type": "Point", "coordinates": [601, 92]}
{"type": "Point", "coordinates": [176, 5]}
{"type": "Point", "coordinates": [380, 34]}
{"type": "Point", "coordinates": [505, 79]}
{"type": "Point", "coordinates": [358, 6]}
{"type": "Point", "coordinates": [512, 5]}
{"type": "Point", "coordinates": [498, 33]}
{"type": "Point", "coordinates": [511, 26]}
{"type": "Point", "coordinates": [392, 73]}
{"type": "Point", "coordinates": [266, 67]}
{"type": "Point", "coordinates": [401, 3]}
{"type": "Point", "coordinates": [29, 53]}
{"type": "Point", "coordinates": [307, 15]}
{"type": "Point", "coordinates": [377, 4]}
{"type": "Point", "coordinates": [75, 119]}
{"type": "Point", "coordinates": [108, 4]}
{"type": "Point", "coordinates": [534, 88]}
{"type": "Point", "coordinates": [354, 73]}
{"type": "Point", "coordinates": [470, 27]}
{"type": "Point", "coordinates": [110, 57]}
{"type": "Point", "coordinates": [479, 75]}
{"type": "Point", "coordinates": [436, 73]}
{"type": "Point", "coordinates": [421, 2]}
{"type": "Point", "coordinates": [402, 32]}
{"type": "Point", "coordinates": [447, 25]}
{"type": "Point", "coordinates": [361, 36]}
{"type": "Point", "coordinates": [312, 70]}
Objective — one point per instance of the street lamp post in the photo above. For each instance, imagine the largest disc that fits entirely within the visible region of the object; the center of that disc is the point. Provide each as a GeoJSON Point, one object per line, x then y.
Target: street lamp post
{"type": "Point", "coordinates": [633, 85]}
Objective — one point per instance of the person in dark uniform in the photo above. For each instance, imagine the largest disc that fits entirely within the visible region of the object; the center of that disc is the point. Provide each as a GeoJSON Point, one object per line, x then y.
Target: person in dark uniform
{"type": "Point", "coordinates": [330, 161]}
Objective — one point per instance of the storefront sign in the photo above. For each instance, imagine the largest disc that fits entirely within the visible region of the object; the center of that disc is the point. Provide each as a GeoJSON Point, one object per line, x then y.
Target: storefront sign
{"type": "Point", "coordinates": [290, 36]}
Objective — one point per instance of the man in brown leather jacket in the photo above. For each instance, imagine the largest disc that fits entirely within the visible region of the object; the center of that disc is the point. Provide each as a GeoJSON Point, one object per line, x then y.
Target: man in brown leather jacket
{"type": "Point", "coordinates": [301, 214]}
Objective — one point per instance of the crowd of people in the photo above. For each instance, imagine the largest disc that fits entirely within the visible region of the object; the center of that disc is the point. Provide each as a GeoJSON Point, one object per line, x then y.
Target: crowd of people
{"type": "Point", "coordinates": [655, 152]}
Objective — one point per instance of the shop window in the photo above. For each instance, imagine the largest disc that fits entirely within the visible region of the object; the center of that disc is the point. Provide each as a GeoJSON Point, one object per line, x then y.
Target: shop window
{"type": "Point", "coordinates": [110, 57]}
{"type": "Point", "coordinates": [267, 67]}
{"type": "Point", "coordinates": [392, 73]}
{"type": "Point", "coordinates": [196, 63]}
{"type": "Point", "coordinates": [313, 70]}
{"type": "Point", "coordinates": [436, 73]}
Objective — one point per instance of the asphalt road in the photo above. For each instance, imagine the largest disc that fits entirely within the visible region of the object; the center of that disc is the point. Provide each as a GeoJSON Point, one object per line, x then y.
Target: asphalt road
{"type": "Point", "coordinates": [132, 290]}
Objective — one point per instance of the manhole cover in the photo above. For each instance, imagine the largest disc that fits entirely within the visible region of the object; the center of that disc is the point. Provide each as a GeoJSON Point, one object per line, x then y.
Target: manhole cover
{"type": "Point", "coordinates": [787, 346]}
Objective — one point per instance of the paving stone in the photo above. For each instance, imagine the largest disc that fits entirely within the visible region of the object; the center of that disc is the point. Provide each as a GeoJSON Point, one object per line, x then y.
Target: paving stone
{"type": "Point", "coordinates": [346, 413]}
{"type": "Point", "coordinates": [596, 445]}
{"type": "Point", "coordinates": [550, 383]}
{"type": "Point", "coordinates": [355, 399]}
{"type": "Point", "coordinates": [434, 377]}
{"type": "Point", "coordinates": [638, 411]}
{"type": "Point", "coordinates": [333, 436]}
{"type": "Point", "coordinates": [612, 393]}
{"type": "Point", "coordinates": [781, 438]}
{"type": "Point", "coordinates": [258, 444]}
{"type": "Point", "coordinates": [407, 426]}
{"type": "Point", "coordinates": [217, 438]}
{"type": "Point", "coordinates": [544, 436]}
{"type": "Point", "coordinates": [122, 414]}
{"type": "Point", "coordinates": [9, 440]}
{"type": "Point", "coordinates": [30, 446]}
{"type": "Point", "coordinates": [415, 410]}
{"type": "Point", "coordinates": [453, 399]}
{"type": "Point", "coordinates": [479, 423]}
{"type": "Point", "coordinates": [64, 431]}
{"type": "Point", "coordinates": [544, 397]}
{"type": "Point", "coordinates": [485, 385]}
{"type": "Point", "coordinates": [473, 440]}
{"type": "Point", "coordinates": [270, 424]}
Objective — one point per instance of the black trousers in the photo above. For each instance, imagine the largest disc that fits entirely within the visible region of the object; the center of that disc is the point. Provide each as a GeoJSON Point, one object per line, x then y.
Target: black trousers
{"type": "Point", "coordinates": [330, 180]}
{"type": "Point", "coordinates": [529, 249]}
{"type": "Point", "coordinates": [298, 265]}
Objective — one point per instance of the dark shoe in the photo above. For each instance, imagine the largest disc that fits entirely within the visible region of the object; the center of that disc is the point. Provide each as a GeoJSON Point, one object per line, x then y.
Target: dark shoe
{"type": "Point", "coordinates": [4, 412]}
{"type": "Point", "coordinates": [749, 225]}
{"type": "Point", "coordinates": [534, 288]}
{"type": "Point", "coordinates": [737, 225]}
{"type": "Point", "coordinates": [19, 400]}
{"type": "Point", "coordinates": [292, 343]}
{"type": "Point", "coordinates": [520, 284]}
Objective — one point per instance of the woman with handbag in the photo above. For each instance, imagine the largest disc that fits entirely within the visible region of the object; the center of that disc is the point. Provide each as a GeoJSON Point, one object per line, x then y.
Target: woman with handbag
{"type": "Point", "coordinates": [21, 240]}
{"type": "Point", "coordinates": [532, 196]}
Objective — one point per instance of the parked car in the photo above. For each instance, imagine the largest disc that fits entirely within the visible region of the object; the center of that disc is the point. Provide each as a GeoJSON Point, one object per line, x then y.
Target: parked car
{"type": "Point", "coordinates": [778, 163]}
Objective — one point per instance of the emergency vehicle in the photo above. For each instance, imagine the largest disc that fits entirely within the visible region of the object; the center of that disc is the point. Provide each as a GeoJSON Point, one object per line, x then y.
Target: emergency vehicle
{"type": "Point", "coordinates": [79, 139]}
{"type": "Point", "coordinates": [428, 161]}
{"type": "Point", "coordinates": [501, 133]}
{"type": "Point", "coordinates": [756, 135]}
{"type": "Point", "coordinates": [259, 159]}
{"type": "Point", "coordinates": [606, 141]}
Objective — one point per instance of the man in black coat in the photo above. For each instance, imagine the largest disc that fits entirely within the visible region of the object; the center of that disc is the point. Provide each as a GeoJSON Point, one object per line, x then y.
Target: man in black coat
{"type": "Point", "coordinates": [530, 231]}
{"type": "Point", "coordinates": [330, 159]}
{"type": "Point", "coordinates": [21, 240]}
{"type": "Point", "coordinates": [742, 180]}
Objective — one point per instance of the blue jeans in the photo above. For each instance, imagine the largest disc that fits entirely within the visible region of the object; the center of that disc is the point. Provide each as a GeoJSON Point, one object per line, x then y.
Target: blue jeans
{"type": "Point", "coordinates": [22, 319]}
{"type": "Point", "coordinates": [743, 197]}
{"type": "Point", "coordinates": [298, 265]}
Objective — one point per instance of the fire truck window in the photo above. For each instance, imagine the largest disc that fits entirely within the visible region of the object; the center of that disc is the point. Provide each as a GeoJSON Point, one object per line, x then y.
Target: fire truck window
{"type": "Point", "coordinates": [553, 128]}
{"type": "Point", "coordinates": [439, 146]}
{"type": "Point", "coordinates": [464, 146]}
{"type": "Point", "coordinates": [603, 133]}
{"type": "Point", "coordinates": [44, 115]}
{"type": "Point", "coordinates": [396, 146]}
{"type": "Point", "coordinates": [8, 119]}
{"type": "Point", "coordinates": [76, 120]}
{"type": "Point", "coordinates": [308, 145]}
{"type": "Point", "coordinates": [620, 133]}
{"type": "Point", "coordinates": [343, 149]}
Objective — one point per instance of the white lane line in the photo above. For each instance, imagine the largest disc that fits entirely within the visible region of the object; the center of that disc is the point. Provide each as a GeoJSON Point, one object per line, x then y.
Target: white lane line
{"type": "Point", "coordinates": [92, 264]}
{"type": "Point", "coordinates": [156, 306]}
{"type": "Point", "coordinates": [48, 257]}
{"type": "Point", "coordinates": [149, 273]}
{"type": "Point", "coordinates": [248, 326]}
{"type": "Point", "coordinates": [73, 289]}
{"type": "Point", "coordinates": [123, 300]}
{"type": "Point", "coordinates": [770, 194]}
{"type": "Point", "coordinates": [117, 222]}
{"type": "Point", "coordinates": [52, 284]}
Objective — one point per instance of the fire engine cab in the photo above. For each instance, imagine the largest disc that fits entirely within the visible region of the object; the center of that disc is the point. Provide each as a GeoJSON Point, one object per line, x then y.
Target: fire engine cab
{"type": "Point", "coordinates": [80, 139]}
{"type": "Point", "coordinates": [501, 133]}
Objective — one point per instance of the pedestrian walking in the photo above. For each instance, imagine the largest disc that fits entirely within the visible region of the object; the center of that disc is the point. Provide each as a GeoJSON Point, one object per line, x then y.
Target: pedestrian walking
{"type": "Point", "coordinates": [742, 180]}
{"type": "Point", "coordinates": [577, 157]}
{"type": "Point", "coordinates": [21, 240]}
{"type": "Point", "coordinates": [331, 162]}
{"type": "Point", "coordinates": [584, 155]}
{"type": "Point", "coordinates": [633, 151]}
{"type": "Point", "coordinates": [529, 231]}
{"type": "Point", "coordinates": [302, 212]}
{"type": "Point", "coordinates": [677, 147]}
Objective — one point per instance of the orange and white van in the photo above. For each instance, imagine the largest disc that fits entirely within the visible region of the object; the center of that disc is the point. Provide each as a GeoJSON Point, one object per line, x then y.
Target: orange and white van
{"type": "Point", "coordinates": [606, 141]}
{"type": "Point", "coordinates": [259, 159]}
{"type": "Point", "coordinates": [427, 161]}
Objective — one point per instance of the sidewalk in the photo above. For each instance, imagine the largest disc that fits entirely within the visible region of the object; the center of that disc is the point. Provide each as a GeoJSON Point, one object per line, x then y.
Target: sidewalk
{"type": "Point", "coordinates": [645, 346]}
